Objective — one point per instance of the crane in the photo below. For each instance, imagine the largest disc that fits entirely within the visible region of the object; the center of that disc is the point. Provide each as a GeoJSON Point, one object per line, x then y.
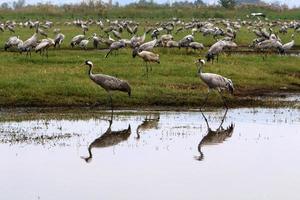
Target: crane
{"type": "Point", "coordinates": [214, 81]}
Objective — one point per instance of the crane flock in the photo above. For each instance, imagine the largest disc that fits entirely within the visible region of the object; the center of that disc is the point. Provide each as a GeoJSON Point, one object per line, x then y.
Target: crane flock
{"type": "Point", "coordinates": [223, 31]}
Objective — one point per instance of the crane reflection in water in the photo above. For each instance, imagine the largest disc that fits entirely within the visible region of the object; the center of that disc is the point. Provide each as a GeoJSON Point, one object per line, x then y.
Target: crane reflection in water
{"type": "Point", "coordinates": [107, 139]}
{"type": "Point", "coordinates": [150, 122]}
{"type": "Point", "coordinates": [214, 137]}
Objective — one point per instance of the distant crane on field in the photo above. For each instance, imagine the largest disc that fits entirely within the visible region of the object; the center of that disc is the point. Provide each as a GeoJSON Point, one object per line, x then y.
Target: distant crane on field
{"type": "Point", "coordinates": [115, 46]}
{"type": "Point", "coordinates": [109, 83]}
{"type": "Point", "coordinates": [214, 81]}
{"type": "Point", "coordinates": [147, 56]}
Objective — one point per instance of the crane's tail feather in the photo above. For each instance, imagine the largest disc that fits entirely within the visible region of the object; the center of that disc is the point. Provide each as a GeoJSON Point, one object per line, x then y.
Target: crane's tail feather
{"type": "Point", "coordinates": [230, 86]}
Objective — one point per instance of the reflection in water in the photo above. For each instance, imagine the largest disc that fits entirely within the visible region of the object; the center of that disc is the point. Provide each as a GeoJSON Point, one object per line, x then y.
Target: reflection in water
{"type": "Point", "coordinates": [107, 139]}
{"type": "Point", "coordinates": [150, 122]}
{"type": "Point", "coordinates": [214, 136]}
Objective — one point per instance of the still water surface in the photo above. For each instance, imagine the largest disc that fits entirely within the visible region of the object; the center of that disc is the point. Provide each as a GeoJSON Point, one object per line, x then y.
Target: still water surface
{"type": "Point", "coordinates": [157, 155]}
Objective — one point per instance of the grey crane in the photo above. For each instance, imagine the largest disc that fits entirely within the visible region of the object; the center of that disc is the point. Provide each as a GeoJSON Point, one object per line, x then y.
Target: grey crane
{"type": "Point", "coordinates": [217, 48]}
{"type": "Point", "coordinates": [59, 38]}
{"type": "Point", "coordinates": [270, 44]}
{"type": "Point", "coordinates": [42, 32]}
{"type": "Point", "coordinates": [108, 83]}
{"type": "Point", "coordinates": [147, 56]}
{"type": "Point", "coordinates": [196, 45]}
{"type": "Point", "coordinates": [115, 46]}
{"type": "Point", "coordinates": [76, 40]}
{"type": "Point", "coordinates": [289, 45]}
{"type": "Point", "coordinates": [29, 44]}
{"type": "Point", "coordinates": [44, 45]}
{"type": "Point", "coordinates": [96, 40]}
{"type": "Point", "coordinates": [107, 139]}
{"type": "Point", "coordinates": [185, 41]}
{"type": "Point", "coordinates": [13, 41]}
{"type": "Point", "coordinates": [148, 46]}
{"type": "Point", "coordinates": [214, 136]}
{"type": "Point", "coordinates": [214, 81]}
{"type": "Point", "coordinates": [116, 34]}
{"type": "Point", "coordinates": [137, 40]}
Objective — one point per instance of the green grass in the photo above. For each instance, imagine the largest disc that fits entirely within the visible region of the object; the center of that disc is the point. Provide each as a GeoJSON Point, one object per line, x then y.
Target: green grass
{"type": "Point", "coordinates": [61, 81]}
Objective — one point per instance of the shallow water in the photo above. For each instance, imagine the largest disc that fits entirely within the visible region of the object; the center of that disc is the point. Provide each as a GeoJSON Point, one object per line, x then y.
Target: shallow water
{"type": "Point", "coordinates": [255, 158]}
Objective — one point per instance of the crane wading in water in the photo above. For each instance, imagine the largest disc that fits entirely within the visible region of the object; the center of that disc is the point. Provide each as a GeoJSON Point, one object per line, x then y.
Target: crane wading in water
{"type": "Point", "coordinates": [109, 83]}
{"type": "Point", "coordinates": [214, 81]}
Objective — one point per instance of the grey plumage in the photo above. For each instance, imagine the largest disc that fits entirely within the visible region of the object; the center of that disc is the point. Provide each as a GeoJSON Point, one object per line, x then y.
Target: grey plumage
{"type": "Point", "coordinates": [214, 81]}
{"type": "Point", "coordinates": [13, 41]}
{"type": "Point", "coordinates": [115, 46]}
{"type": "Point", "coordinates": [108, 83]}
{"type": "Point", "coordinates": [76, 40]}
{"type": "Point", "coordinates": [59, 38]}
{"type": "Point", "coordinates": [217, 48]}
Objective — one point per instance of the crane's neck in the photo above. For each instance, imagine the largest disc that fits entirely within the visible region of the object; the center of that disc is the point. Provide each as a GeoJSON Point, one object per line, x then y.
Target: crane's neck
{"type": "Point", "coordinates": [90, 73]}
{"type": "Point", "coordinates": [199, 70]}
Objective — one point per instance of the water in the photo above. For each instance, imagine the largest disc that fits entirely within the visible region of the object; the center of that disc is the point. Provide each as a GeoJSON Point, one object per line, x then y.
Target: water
{"type": "Point", "coordinates": [46, 156]}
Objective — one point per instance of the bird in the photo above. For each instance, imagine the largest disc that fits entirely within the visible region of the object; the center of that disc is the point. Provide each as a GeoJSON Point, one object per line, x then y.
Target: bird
{"type": "Point", "coordinates": [185, 41]}
{"type": "Point", "coordinates": [76, 40]}
{"type": "Point", "coordinates": [147, 56]}
{"type": "Point", "coordinates": [137, 40]}
{"type": "Point", "coordinates": [59, 38]}
{"type": "Point", "coordinates": [84, 43]}
{"type": "Point", "coordinates": [29, 44]}
{"type": "Point", "coordinates": [42, 32]}
{"type": "Point", "coordinates": [96, 40]}
{"type": "Point", "coordinates": [289, 45]}
{"type": "Point", "coordinates": [217, 48]}
{"type": "Point", "coordinates": [172, 44]}
{"type": "Point", "coordinates": [13, 41]}
{"type": "Point", "coordinates": [196, 45]}
{"type": "Point", "coordinates": [148, 46]}
{"type": "Point", "coordinates": [108, 83]}
{"type": "Point", "coordinates": [107, 139]}
{"type": "Point", "coordinates": [44, 45]}
{"type": "Point", "coordinates": [115, 46]}
{"type": "Point", "coordinates": [214, 81]}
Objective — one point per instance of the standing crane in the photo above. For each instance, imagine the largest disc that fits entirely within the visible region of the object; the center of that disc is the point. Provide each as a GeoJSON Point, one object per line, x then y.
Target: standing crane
{"type": "Point", "coordinates": [108, 83]}
{"type": "Point", "coordinates": [115, 46]}
{"type": "Point", "coordinates": [214, 81]}
{"type": "Point", "coordinates": [147, 56]}
{"type": "Point", "coordinates": [13, 41]}
{"type": "Point", "coordinates": [29, 44]}
{"type": "Point", "coordinates": [59, 38]}
{"type": "Point", "coordinates": [44, 45]}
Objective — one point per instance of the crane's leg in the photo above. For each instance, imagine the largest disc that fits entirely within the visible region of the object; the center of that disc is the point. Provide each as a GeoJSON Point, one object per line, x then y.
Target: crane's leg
{"type": "Point", "coordinates": [206, 121]}
{"type": "Point", "coordinates": [111, 105]}
{"type": "Point", "coordinates": [224, 99]}
{"type": "Point", "coordinates": [223, 119]}
{"type": "Point", "coordinates": [108, 53]}
{"type": "Point", "coordinates": [205, 100]}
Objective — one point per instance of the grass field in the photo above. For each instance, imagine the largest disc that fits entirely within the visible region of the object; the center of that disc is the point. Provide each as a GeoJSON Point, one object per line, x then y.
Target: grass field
{"type": "Point", "coordinates": [61, 81]}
